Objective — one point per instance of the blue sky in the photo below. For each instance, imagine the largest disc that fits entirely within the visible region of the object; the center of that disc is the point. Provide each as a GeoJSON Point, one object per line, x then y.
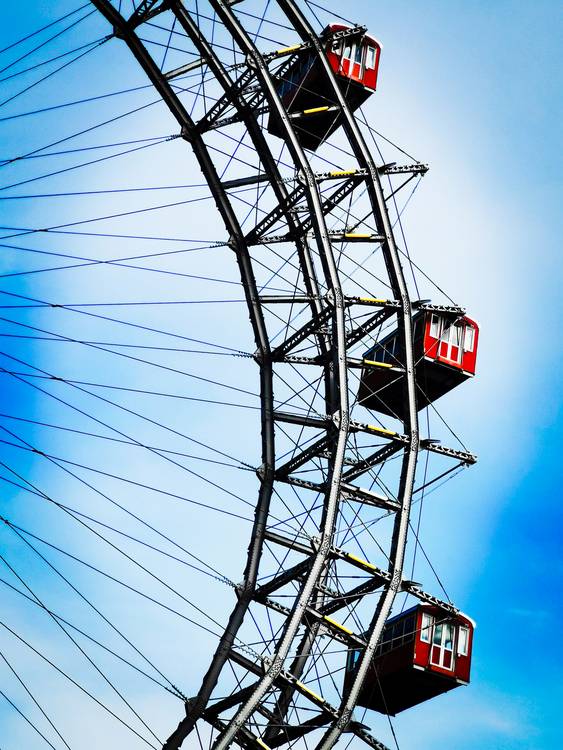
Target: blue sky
{"type": "Point", "coordinates": [480, 83]}
{"type": "Point", "coordinates": [473, 88]}
{"type": "Point", "coordinates": [486, 102]}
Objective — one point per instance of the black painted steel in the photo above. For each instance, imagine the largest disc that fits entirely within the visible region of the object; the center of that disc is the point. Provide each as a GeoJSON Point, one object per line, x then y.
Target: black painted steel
{"type": "Point", "coordinates": [276, 682]}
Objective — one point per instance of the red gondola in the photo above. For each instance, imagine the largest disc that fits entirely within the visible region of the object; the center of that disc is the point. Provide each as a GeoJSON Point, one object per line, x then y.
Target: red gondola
{"type": "Point", "coordinates": [445, 350]}
{"type": "Point", "coordinates": [423, 653]}
{"type": "Point", "coordinates": [308, 98]}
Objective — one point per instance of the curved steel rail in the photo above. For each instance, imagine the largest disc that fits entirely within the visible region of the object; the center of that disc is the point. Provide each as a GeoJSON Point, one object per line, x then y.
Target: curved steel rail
{"type": "Point", "coordinates": [307, 618]}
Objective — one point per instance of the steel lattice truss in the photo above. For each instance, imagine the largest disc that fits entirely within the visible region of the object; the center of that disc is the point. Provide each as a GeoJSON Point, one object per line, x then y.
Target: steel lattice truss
{"type": "Point", "coordinates": [312, 593]}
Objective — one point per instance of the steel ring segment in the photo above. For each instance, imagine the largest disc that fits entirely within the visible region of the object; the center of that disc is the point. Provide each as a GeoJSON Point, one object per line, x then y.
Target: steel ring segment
{"type": "Point", "coordinates": [330, 511]}
{"type": "Point", "coordinates": [198, 705]}
{"type": "Point", "coordinates": [400, 290]}
{"type": "Point", "coordinates": [325, 252]}
{"type": "Point", "coordinates": [125, 30]}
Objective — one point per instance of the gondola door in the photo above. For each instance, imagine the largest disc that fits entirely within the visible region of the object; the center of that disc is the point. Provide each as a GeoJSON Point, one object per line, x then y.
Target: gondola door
{"type": "Point", "coordinates": [442, 651]}
{"type": "Point", "coordinates": [356, 62]}
{"type": "Point", "coordinates": [450, 346]}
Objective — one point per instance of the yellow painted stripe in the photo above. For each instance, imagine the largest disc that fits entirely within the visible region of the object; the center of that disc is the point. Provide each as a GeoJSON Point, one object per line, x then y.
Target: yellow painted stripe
{"type": "Point", "coordinates": [338, 625]}
{"type": "Point", "coordinates": [262, 744]}
{"type": "Point", "coordinates": [373, 299]}
{"type": "Point", "coordinates": [365, 563]}
{"type": "Point", "coordinates": [315, 109]}
{"type": "Point", "coordinates": [375, 428]}
{"type": "Point", "coordinates": [377, 364]}
{"type": "Point", "coordinates": [343, 173]}
{"type": "Point", "coordinates": [308, 690]}
{"type": "Point", "coordinates": [355, 234]}
{"type": "Point", "coordinates": [284, 50]}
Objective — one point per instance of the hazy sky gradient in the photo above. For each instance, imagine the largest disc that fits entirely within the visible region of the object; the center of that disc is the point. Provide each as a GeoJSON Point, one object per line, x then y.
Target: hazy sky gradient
{"type": "Point", "coordinates": [474, 89]}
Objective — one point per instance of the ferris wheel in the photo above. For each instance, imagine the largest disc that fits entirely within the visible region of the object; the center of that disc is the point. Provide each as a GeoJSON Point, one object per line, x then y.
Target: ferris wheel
{"type": "Point", "coordinates": [324, 620]}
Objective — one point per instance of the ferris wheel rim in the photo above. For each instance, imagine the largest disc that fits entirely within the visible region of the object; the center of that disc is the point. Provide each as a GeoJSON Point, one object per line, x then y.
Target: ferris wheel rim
{"type": "Point", "coordinates": [263, 357]}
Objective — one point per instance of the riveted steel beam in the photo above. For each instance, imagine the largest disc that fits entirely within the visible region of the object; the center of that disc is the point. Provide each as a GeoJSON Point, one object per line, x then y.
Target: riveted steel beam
{"type": "Point", "coordinates": [405, 331]}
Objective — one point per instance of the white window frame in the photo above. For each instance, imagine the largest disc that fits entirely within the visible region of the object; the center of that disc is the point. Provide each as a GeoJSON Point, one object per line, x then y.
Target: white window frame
{"type": "Point", "coordinates": [370, 57]}
{"type": "Point", "coordinates": [443, 629]}
{"type": "Point", "coordinates": [463, 640]}
{"type": "Point", "coordinates": [360, 48]}
{"type": "Point", "coordinates": [426, 627]}
{"type": "Point", "coordinates": [436, 326]}
{"type": "Point", "coordinates": [451, 337]}
{"type": "Point", "coordinates": [469, 339]}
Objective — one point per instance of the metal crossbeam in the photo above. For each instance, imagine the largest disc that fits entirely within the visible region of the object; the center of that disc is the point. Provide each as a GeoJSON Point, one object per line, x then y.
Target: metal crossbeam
{"type": "Point", "coordinates": [415, 590]}
{"type": "Point", "coordinates": [368, 497]}
{"type": "Point", "coordinates": [255, 235]}
{"type": "Point", "coordinates": [146, 10]}
{"type": "Point", "coordinates": [393, 168]}
{"type": "Point", "coordinates": [464, 456]}
{"type": "Point", "coordinates": [377, 319]}
{"type": "Point", "coordinates": [365, 464]}
{"type": "Point", "coordinates": [300, 335]}
{"type": "Point", "coordinates": [291, 733]}
{"type": "Point", "coordinates": [454, 310]}
{"type": "Point", "coordinates": [282, 579]}
{"type": "Point", "coordinates": [302, 458]}
{"type": "Point", "coordinates": [225, 101]}
{"type": "Point", "coordinates": [349, 597]}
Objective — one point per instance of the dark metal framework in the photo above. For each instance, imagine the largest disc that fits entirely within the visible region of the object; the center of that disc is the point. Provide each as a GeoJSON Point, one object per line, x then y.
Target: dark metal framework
{"type": "Point", "coordinates": [269, 704]}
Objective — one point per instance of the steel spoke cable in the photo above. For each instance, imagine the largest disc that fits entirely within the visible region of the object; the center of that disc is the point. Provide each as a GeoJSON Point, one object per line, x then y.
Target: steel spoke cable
{"type": "Point", "coordinates": [74, 641]}
{"type": "Point", "coordinates": [432, 568]}
{"type": "Point", "coordinates": [107, 438]}
{"type": "Point", "coordinates": [119, 354]}
{"type": "Point", "coordinates": [56, 398]}
{"type": "Point", "coordinates": [374, 132]}
{"type": "Point", "coordinates": [25, 718]}
{"type": "Point", "coordinates": [131, 559]}
{"type": "Point", "coordinates": [421, 505]}
{"type": "Point", "coordinates": [33, 489]}
{"type": "Point", "coordinates": [116, 235]}
{"type": "Point", "coordinates": [142, 391]}
{"type": "Point", "coordinates": [214, 43]}
{"type": "Point", "coordinates": [393, 196]}
{"type": "Point", "coordinates": [107, 191]}
{"type": "Point", "coordinates": [145, 209]}
{"type": "Point", "coordinates": [81, 149]}
{"type": "Point", "coordinates": [89, 48]}
{"type": "Point", "coordinates": [33, 698]}
{"type": "Point", "coordinates": [75, 683]}
{"type": "Point", "coordinates": [154, 452]}
{"type": "Point", "coordinates": [41, 64]}
{"type": "Point", "coordinates": [44, 43]}
{"type": "Point", "coordinates": [121, 344]}
{"type": "Point", "coordinates": [44, 28]}
{"type": "Point", "coordinates": [331, 12]}
{"type": "Point", "coordinates": [22, 534]}
{"type": "Point", "coordinates": [64, 105]}
{"type": "Point", "coordinates": [211, 572]}
{"type": "Point", "coordinates": [57, 461]}
{"type": "Point", "coordinates": [111, 261]}
{"type": "Point", "coordinates": [98, 643]}
{"type": "Point", "coordinates": [74, 167]}
{"type": "Point", "coordinates": [77, 134]}
{"type": "Point", "coordinates": [119, 263]}
{"type": "Point", "coordinates": [104, 574]}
